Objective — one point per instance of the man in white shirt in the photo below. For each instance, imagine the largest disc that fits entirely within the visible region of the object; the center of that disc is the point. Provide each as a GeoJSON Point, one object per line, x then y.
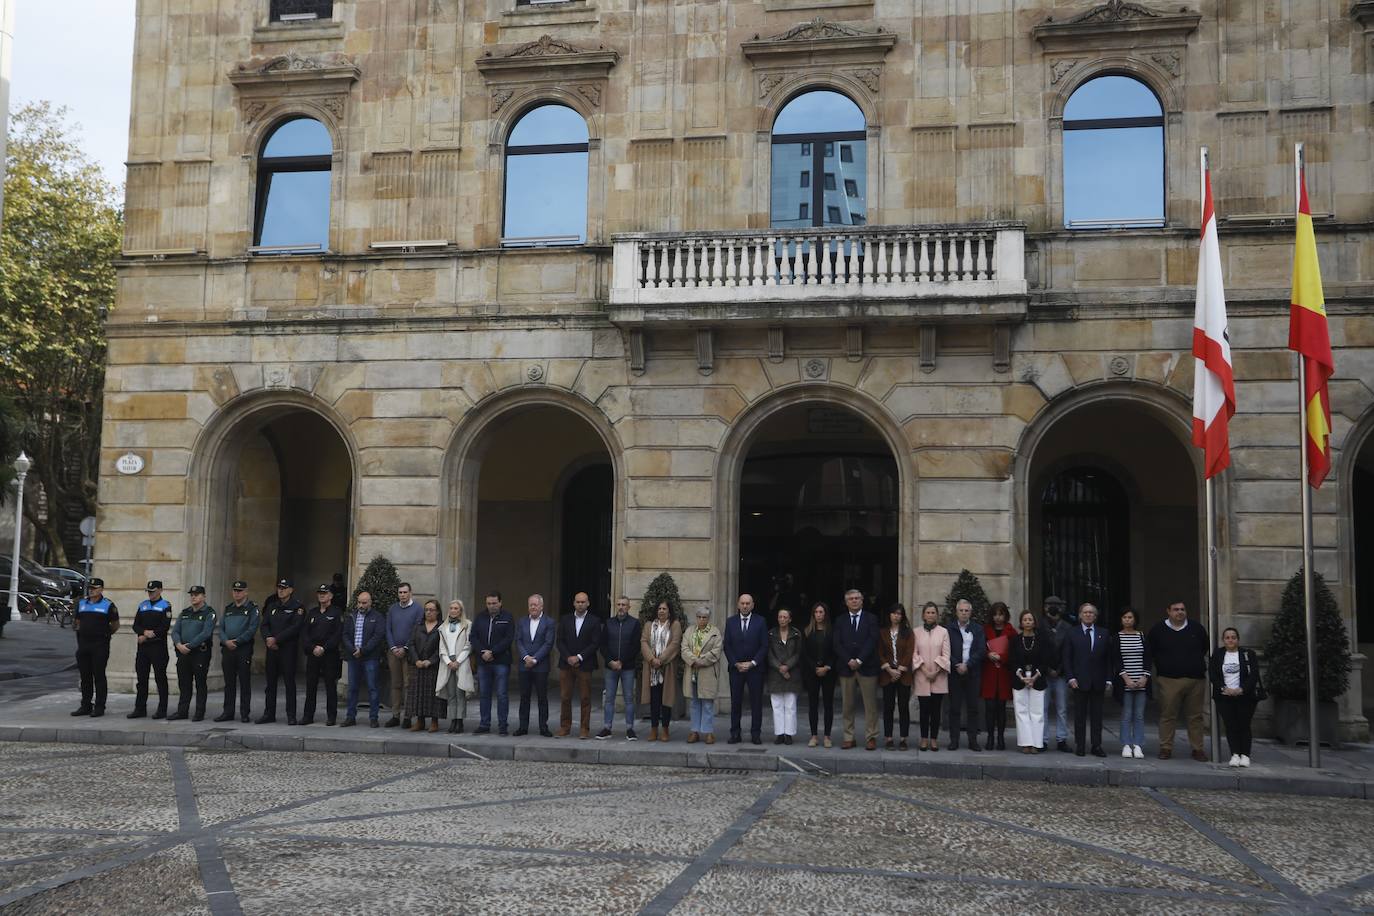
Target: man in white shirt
{"type": "Point", "coordinates": [533, 645]}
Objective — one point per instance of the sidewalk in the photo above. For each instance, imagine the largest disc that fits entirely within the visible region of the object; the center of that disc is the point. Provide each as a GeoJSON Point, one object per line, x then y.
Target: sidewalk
{"type": "Point", "coordinates": [33, 649]}
{"type": "Point", "coordinates": [1345, 773]}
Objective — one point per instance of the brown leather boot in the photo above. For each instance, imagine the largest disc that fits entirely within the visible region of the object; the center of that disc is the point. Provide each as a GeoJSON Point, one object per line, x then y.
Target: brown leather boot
{"type": "Point", "coordinates": [663, 735]}
{"type": "Point", "coordinates": [434, 725]}
{"type": "Point", "coordinates": [417, 725]}
{"type": "Point", "coordinates": [653, 733]}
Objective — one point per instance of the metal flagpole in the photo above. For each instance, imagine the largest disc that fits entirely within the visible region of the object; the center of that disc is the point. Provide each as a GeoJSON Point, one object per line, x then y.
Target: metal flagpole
{"type": "Point", "coordinates": [1314, 753]}
{"type": "Point", "coordinates": [1213, 612]}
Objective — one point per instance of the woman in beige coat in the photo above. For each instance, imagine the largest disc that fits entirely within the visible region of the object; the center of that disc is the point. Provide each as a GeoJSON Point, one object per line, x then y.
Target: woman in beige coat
{"type": "Point", "coordinates": [454, 681]}
{"type": "Point", "coordinates": [700, 658]}
{"type": "Point", "coordinates": [659, 644]}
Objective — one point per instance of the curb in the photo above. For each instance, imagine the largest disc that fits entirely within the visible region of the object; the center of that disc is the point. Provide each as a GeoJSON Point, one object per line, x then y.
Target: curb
{"type": "Point", "coordinates": [871, 763]}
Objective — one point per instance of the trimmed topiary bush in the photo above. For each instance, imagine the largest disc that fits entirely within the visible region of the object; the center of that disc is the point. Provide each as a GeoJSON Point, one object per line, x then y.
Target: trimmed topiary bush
{"type": "Point", "coordinates": [1286, 651]}
{"type": "Point", "coordinates": [663, 588]}
{"type": "Point", "coordinates": [968, 586]}
{"type": "Point", "coordinates": [381, 580]}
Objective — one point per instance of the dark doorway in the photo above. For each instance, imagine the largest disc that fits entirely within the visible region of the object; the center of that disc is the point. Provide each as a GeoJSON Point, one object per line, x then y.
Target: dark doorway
{"type": "Point", "coordinates": [588, 502]}
{"type": "Point", "coordinates": [1362, 517]}
{"type": "Point", "coordinates": [818, 512]}
{"type": "Point", "coordinates": [1085, 540]}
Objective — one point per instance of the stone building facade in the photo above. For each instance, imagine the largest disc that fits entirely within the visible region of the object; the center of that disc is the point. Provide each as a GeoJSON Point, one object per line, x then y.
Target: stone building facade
{"type": "Point", "coordinates": [956, 374]}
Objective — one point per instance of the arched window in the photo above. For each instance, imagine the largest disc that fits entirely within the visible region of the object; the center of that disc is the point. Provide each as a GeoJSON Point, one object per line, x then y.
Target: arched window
{"type": "Point", "coordinates": [293, 187]}
{"type": "Point", "coordinates": [819, 162]}
{"type": "Point", "coordinates": [1113, 155]}
{"type": "Point", "coordinates": [546, 178]}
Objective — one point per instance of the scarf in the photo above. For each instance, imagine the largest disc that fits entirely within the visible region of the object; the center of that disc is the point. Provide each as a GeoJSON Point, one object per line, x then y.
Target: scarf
{"type": "Point", "coordinates": [658, 641]}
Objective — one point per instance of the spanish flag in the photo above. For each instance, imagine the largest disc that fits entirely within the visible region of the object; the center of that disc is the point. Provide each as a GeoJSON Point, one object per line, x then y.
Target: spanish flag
{"type": "Point", "coordinates": [1308, 335]}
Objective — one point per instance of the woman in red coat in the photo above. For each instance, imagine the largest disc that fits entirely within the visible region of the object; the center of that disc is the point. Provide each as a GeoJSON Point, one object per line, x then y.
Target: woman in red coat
{"type": "Point", "coordinates": [996, 686]}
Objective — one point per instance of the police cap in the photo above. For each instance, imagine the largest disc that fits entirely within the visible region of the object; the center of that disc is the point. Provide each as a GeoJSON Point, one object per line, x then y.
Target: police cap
{"type": "Point", "coordinates": [239, 585]}
{"type": "Point", "coordinates": [196, 590]}
{"type": "Point", "coordinates": [285, 583]}
{"type": "Point", "coordinates": [96, 583]}
{"type": "Point", "coordinates": [323, 590]}
{"type": "Point", "coordinates": [153, 585]}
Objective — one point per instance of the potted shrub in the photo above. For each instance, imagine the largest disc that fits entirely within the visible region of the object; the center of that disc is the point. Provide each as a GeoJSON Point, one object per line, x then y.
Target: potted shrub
{"type": "Point", "coordinates": [1286, 658]}
{"type": "Point", "coordinates": [967, 586]}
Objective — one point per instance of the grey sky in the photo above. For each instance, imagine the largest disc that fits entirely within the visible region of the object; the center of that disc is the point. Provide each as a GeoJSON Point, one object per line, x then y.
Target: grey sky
{"type": "Point", "coordinates": [79, 54]}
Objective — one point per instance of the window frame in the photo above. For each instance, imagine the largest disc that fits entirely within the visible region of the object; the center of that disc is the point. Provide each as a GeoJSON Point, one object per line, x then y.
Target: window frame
{"type": "Point", "coordinates": [536, 149]}
{"type": "Point", "coordinates": [268, 166]}
{"type": "Point", "coordinates": [274, 14]}
{"type": "Point", "coordinates": [1074, 124]}
{"type": "Point", "coordinates": [819, 145]}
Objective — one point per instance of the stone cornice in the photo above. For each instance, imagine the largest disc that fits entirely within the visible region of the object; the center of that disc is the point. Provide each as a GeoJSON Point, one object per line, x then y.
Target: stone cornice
{"type": "Point", "coordinates": [326, 69]}
{"type": "Point", "coordinates": [1363, 12]}
{"type": "Point", "coordinates": [1114, 19]}
{"type": "Point", "coordinates": [548, 57]}
{"type": "Point", "coordinates": [820, 38]}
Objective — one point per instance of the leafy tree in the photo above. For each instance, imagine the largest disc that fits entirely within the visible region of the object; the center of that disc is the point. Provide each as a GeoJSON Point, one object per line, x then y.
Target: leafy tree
{"type": "Point", "coordinates": [381, 581]}
{"type": "Point", "coordinates": [62, 232]}
{"type": "Point", "coordinates": [1286, 651]}
{"type": "Point", "coordinates": [968, 586]}
{"type": "Point", "coordinates": [663, 588]}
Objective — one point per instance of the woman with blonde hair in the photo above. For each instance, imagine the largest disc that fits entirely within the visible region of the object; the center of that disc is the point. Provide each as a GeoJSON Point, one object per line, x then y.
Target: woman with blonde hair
{"type": "Point", "coordinates": [454, 681]}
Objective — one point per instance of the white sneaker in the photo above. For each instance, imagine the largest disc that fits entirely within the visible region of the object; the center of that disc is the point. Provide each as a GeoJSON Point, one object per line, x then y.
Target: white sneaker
{"type": "Point", "coordinates": [1245, 760]}
{"type": "Point", "coordinates": [1235, 760]}
{"type": "Point", "coordinates": [1126, 751]}
{"type": "Point", "coordinates": [1138, 752]}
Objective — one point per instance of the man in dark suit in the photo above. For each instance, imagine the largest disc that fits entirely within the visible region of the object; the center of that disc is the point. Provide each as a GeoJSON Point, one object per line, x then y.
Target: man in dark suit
{"type": "Point", "coordinates": [856, 652]}
{"type": "Point", "coordinates": [533, 644]}
{"type": "Point", "coordinates": [746, 649]}
{"type": "Point", "coordinates": [967, 649]}
{"type": "Point", "coordinates": [579, 633]}
{"type": "Point", "coordinates": [1087, 668]}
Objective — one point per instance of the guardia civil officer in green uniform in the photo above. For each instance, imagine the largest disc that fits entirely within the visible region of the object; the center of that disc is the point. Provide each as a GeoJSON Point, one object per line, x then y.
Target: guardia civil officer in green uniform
{"type": "Point", "coordinates": [237, 627]}
{"type": "Point", "coordinates": [97, 618]}
{"type": "Point", "coordinates": [282, 618]}
{"type": "Point", "coordinates": [321, 638]}
{"type": "Point", "coordinates": [192, 636]}
{"type": "Point", "coordinates": [152, 621]}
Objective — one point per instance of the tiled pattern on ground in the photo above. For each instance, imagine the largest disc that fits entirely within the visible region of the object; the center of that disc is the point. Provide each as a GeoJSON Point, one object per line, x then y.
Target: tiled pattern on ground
{"type": "Point", "coordinates": [278, 834]}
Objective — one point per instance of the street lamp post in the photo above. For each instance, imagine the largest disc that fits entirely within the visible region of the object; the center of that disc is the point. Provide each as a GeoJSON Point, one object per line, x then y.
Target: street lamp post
{"type": "Point", "coordinates": [21, 468]}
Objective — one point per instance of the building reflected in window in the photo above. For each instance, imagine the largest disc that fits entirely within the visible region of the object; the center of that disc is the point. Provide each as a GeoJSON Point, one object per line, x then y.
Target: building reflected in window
{"type": "Point", "coordinates": [294, 186]}
{"type": "Point", "coordinates": [1113, 155]}
{"type": "Point", "coordinates": [805, 134]}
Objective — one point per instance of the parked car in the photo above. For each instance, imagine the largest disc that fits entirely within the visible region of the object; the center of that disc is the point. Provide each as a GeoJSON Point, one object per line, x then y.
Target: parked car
{"type": "Point", "coordinates": [74, 580]}
{"type": "Point", "coordinates": [32, 579]}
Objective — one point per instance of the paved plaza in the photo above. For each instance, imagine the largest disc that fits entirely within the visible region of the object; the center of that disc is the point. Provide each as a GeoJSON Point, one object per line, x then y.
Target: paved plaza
{"type": "Point", "coordinates": [89, 829]}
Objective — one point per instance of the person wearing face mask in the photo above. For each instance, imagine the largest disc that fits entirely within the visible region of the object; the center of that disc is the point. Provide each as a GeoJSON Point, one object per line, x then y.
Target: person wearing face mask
{"type": "Point", "coordinates": [1236, 688]}
{"type": "Point", "coordinates": [1053, 628]}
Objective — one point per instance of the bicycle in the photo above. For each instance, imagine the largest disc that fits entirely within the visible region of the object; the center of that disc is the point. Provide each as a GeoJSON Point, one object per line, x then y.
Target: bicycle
{"type": "Point", "coordinates": [53, 609]}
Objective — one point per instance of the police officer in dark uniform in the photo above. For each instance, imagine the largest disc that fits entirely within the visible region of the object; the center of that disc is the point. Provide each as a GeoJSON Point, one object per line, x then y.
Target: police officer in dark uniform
{"type": "Point", "coordinates": [282, 617]}
{"type": "Point", "coordinates": [152, 620]}
{"type": "Point", "coordinates": [322, 635]}
{"type": "Point", "coordinates": [193, 635]}
{"type": "Point", "coordinates": [97, 618]}
{"type": "Point", "coordinates": [238, 625]}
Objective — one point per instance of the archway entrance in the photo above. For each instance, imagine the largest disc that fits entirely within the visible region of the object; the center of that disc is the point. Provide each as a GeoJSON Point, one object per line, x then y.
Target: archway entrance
{"type": "Point", "coordinates": [284, 503]}
{"type": "Point", "coordinates": [1362, 523]}
{"type": "Point", "coordinates": [1113, 518]}
{"type": "Point", "coordinates": [819, 510]}
{"type": "Point", "coordinates": [545, 510]}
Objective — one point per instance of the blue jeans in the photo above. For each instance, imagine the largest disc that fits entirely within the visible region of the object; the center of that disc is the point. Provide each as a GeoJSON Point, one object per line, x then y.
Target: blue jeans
{"type": "Point", "coordinates": [358, 668]}
{"type": "Point", "coordinates": [624, 680]}
{"type": "Point", "coordinates": [704, 717]}
{"type": "Point", "coordinates": [498, 676]}
{"type": "Point", "coordinates": [1057, 692]}
{"type": "Point", "coordinates": [1133, 717]}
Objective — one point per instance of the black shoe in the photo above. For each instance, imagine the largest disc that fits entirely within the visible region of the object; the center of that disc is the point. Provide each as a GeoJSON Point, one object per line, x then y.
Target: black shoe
{"type": "Point", "coordinates": [176, 716]}
{"type": "Point", "coordinates": [603, 734]}
{"type": "Point", "coordinates": [786, 739]}
{"type": "Point", "coordinates": [329, 721]}
{"type": "Point", "coordinates": [1080, 753]}
{"type": "Point", "coordinates": [1063, 747]}
{"type": "Point", "coordinates": [349, 722]}
{"type": "Point", "coordinates": [161, 713]}
{"type": "Point", "coordinates": [543, 731]}
{"type": "Point", "coordinates": [373, 723]}
{"type": "Point", "coordinates": [953, 746]}
{"type": "Point", "coordinates": [265, 719]}
{"type": "Point", "coordinates": [82, 710]}
{"type": "Point", "coordinates": [630, 735]}
{"type": "Point", "coordinates": [198, 717]}
{"type": "Point", "coordinates": [97, 712]}
{"type": "Point", "coordinates": [393, 722]}
{"type": "Point", "coordinates": [460, 726]}
{"type": "Point", "coordinates": [520, 732]}
{"type": "Point", "coordinates": [405, 723]}
{"type": "Point", "coordinates": [973, 744]}
{"type": "Point", "coordinates": [224, 717]}
{"type": "Point", "coordinates": [453, 727]}
{"type": "Point", "coordinates": [503, 730]}
{"type": "Point", "coordinates": [245, 718]}
{"type": "Point", "coordinates": [306, 721]}
{"type": "Point", "coordinates": [778, 740]}
{"type": "Point", "coordinates": [137, 714]}
{"type": "Point", "coordinates": [482, 730]}
{"type": "Point", "coordinates": [734, 739]}
{"type": "Point", "coordinates": [290, 720]}
{"type": "Point", "coordinates": [1098, 752]}
{"type": "Point", "coordinates": [1001, 742]}
{"type": "Point", "coordinates": [755, 739]}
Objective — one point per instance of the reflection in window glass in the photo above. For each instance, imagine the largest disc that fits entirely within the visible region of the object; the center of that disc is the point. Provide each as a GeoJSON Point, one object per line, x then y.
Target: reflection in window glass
{"type": "Point", "coordinates": [294, 186]}
{"type": "Point", "coordinates": [1113, 155]}
{"type": "Point", "coordinates": [546, 177]}
{"type": "Point", "coordinates": [805, 135]}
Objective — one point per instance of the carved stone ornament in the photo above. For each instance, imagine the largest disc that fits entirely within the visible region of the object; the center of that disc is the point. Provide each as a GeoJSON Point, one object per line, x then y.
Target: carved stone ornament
{"type": "Point", "coordinates": [819, 28]}
{"type": "Point", "coordinates": [1118, 24]}
{"type": "Point", "coordinates": [1115, 11]}
{"type": "Point", "coordinates": [499, 98]}
{"type": "Point", "coordinates": [869, 76]}
{"type": "Point", "coordinates": [1119, 365]}
{"type": "Point", "coordinates": [1169, 61]}
{"type": "Point", "coordinates": [768, 82]}
{"type": "Point", "coordinates": [544, 46]}
{"type": "Point", "coordinates": [1060, 69]}
{"type": "Point", "coordinates": [548, 57]}
{"type": "Point", "coordinates": [264, 84]}
{"type": "Point", "coordinates": [591, 92]}
{"type": "Point", "coordinates": [535, 373]}
{"type": "Point", "coordinates": [843, 42]}
{"type": "Point", "coordinates": [294, 66]}
{"type": "Point", "coordinates": [814, 368]}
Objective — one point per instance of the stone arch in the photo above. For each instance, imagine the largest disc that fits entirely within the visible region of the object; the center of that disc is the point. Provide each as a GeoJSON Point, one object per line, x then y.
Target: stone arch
{"type": "Point", "coordinates": [1166, 407]}
{"type": "Point", "coordinates": [460, 477]}
{"type": "Point", "coordinates": [734, 450]}
{"type": "Point", "coordinates": [528, 98]}
{"type": "Point", "coordinates": [1165, 86]}
{"type": "Point", "coordinates": [1354, 529]}
{"type": "Point", "coordinates": [213, 466]}
{"type": "Point", "coordinates": [793, 85]}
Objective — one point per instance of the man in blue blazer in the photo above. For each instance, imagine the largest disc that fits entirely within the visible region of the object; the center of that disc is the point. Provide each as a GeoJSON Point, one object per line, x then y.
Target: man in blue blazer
{"type": "Point", "coordinates": [746, 650]}
{"type": "Point", "coordinates": [533, 643]}
{"type": "Point", "coordinates": [856, 652]}
{"type": "Point", "coordinates": [967, 649]}
{"type": "Point", "coordinates": [1088, 670]}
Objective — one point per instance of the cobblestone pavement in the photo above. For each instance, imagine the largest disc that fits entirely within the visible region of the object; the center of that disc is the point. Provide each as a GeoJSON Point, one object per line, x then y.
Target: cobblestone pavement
{"type": "Point", "coordinates": [87, 829]}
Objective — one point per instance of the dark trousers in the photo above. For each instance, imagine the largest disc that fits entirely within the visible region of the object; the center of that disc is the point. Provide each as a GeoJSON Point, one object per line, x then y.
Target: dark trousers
{"type": "Point", "coordinates": [91, 659]}
{"type": "Point", "coordinates": [751, 680]}
{"type": "Point", "coordinates": [930, 715]}
{"type": "Point", "coordinates": [821, 693]}
{"type": "Point", "coordinates": [281, 661]}
{"type": "Point", "coordinates": [536, 682]}
{"type": "Point", "coordinates": [150, 657]}
{"type": "Point", "coordinates": [237, 666]}
{"type": "Point", "coordinates": [1087, 704]}
{"type": "Point", "coordinates": [325, 667]}
{"type": "Point", "coordinates": [964, 698]}
{"type": "Point", "coordinates": [1236, 713]}
{"type": "Point", "coordinates": [192, 669]}
{"type": "Point", "coordinates": [899, 695]}
{"type": "Point", "coordinates": [658, 713]}
{"type": "Point", "coordinates": [995, 714]}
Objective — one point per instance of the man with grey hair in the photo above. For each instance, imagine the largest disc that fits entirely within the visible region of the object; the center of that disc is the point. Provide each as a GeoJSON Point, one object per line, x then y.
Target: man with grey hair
{"type": "Point", "coordinates": [856, 652]}
{"type": "Point", "coordinates": [533, 647]}
{"type": "Point", "coordinates": [968, 646]}
{"type": "Point", "coordinates": [1088, 668]}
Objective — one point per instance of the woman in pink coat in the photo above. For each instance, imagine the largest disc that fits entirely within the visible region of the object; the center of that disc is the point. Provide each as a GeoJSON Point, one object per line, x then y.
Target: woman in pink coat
{"type": "Point", "coordinates": [931, 666]}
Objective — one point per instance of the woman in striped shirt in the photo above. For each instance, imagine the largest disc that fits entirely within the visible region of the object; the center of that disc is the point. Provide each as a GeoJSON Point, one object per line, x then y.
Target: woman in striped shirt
{"type": "Point", "coordinates": [1131, 662]}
